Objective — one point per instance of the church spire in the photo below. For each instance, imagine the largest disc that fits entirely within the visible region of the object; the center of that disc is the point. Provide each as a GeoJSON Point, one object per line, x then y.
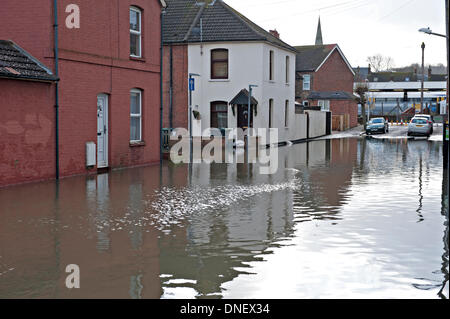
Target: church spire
{"type": "Point", "coordinates": [319, 34]}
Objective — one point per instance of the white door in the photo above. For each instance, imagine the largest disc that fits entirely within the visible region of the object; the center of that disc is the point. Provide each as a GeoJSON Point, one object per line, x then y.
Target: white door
{"type": "Point", "coordinates": [102, 131]}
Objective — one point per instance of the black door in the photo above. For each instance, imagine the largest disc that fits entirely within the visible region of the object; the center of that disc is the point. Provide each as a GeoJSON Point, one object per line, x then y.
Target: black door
{"type": "Point", "coordinates": [243, 116]}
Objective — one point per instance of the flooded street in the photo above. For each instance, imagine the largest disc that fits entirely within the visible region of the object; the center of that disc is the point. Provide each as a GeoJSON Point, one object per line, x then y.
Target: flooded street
{"type": "Point", "coordinates": [341, 218]}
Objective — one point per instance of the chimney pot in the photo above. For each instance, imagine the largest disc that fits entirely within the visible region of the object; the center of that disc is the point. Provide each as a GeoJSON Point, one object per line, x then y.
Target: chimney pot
{"type": "Point", "coordinates": [275, 33]}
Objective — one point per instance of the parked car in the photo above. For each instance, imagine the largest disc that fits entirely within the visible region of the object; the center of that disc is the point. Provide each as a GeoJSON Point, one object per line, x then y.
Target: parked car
{"type": "Point", "coordinates": [419, 126]}
{"type": "Point", "coordinates": [377, 125]}
{"type": "Point", "coordinates": [428, 118]}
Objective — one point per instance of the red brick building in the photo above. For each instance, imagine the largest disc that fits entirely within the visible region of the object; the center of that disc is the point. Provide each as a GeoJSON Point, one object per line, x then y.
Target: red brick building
{"type": "Point", "coordinates": [324, 78]}
{"type": "Point", "coordinates": [109, 88]}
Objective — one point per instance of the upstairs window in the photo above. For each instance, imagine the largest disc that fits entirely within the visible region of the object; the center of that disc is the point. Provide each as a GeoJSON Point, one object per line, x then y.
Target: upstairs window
{"type": "Point", "coordinates": [287, 69]}
{"type": "Point", "coordinates": [306, 82]}
{"type": "Point", "coordinates": [135, 32]}
{"type": "Point", "coordinates": [271, 65]}
{"type": "Point", "coordinates": [219, 64]}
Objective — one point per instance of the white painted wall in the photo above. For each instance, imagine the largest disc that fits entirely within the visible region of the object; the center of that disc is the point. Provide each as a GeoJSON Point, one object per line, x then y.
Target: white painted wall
{"type": "Point", "coordinates": [248, 64]}
{"type": "Point", "coordinates": [317, 123]}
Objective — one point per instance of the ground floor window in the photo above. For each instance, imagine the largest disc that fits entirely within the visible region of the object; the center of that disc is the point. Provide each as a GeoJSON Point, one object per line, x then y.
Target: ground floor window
{"type": "Point", "coordinates": [136, 115]}
{"type": "Point", "coordinates": [270, 113]}
{"type": "Point", "coordinates": [324, 105]}
{"type": "Point", "coordinates": [286, 114]}
{"type": "Point", "coordinates": [219, 114]}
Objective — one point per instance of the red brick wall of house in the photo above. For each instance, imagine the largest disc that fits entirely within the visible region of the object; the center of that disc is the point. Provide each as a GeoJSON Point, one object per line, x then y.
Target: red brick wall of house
{"type": "Point", "coordinates": [334, 75]}
{"type": "Point", "coordinates": [341, 107]}
{"type": "Point", "coordinates": [179, 86]}
{"type": "Point", "coordinates": [27, 131]}
{"type": "Point", "coordinates": [96, 59]}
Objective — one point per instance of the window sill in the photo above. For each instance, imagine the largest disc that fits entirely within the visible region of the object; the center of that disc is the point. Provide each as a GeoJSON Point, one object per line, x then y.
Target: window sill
{"type": "Point", "coordinates": [137, 59]}
{"type": "Point", "coordinates": [137, 144]}
{"type": "Point", "coordinates": [219, 80]}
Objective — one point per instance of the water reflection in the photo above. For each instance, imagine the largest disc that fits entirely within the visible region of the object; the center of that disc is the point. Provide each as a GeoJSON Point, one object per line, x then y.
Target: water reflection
{"type": "Point", "coordinates": [340, 218]}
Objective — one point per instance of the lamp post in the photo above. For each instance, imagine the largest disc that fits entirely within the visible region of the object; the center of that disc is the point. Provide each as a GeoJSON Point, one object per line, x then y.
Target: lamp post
{"type": "Point", "coordinates": [430, 32]}
{"type": "Point", "coordinates": [250, 89]}
{"type": "Point", "coordinates": [191, 88]}
{"type": "Point", "coordinates": [423, 77]}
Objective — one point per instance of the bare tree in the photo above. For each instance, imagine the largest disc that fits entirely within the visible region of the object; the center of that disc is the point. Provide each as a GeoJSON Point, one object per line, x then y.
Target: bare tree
{"type": "Point", "coordinates": [380, 63]}
{"type": "Point", "coordinates": [360, 90]}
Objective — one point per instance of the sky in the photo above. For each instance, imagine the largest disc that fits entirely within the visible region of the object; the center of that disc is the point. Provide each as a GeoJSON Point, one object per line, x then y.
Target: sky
{"type": "Point", "coordinates": [362, 28]}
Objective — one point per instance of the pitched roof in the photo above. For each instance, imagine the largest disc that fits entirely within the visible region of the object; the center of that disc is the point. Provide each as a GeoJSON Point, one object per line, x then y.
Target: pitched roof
{"type": "Point", "coordinates": [337, 95]}
{"type": "Point", "coordinates": [310, 57]}
{"type": "Point", "coordinates": [220, 23]}
{"type": "Point", "coordinates": [242, 99]}
{"type": "Point", "coordinates": [16, 63]}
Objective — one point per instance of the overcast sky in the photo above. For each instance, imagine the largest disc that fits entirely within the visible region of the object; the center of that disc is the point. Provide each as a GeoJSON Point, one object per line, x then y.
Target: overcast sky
{"type": "Point", "coordinates": [360, 27]}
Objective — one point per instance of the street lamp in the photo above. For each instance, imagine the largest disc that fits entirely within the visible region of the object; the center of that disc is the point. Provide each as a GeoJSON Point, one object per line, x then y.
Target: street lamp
{"type": "Point", "coordinates": [428, 31]}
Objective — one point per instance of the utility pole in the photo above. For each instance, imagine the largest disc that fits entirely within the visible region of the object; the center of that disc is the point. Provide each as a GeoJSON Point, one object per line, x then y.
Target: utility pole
{"type": "Point", "coordinates": [423, 77]}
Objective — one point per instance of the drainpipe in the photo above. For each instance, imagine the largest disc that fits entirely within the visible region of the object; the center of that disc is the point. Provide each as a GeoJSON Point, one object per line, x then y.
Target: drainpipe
{"type": "Point", "coordinates": [56, 52]}
{"type": "Point", "coordinates": [171, 89]}
{"type": "Point", "coordinates": [161, 91]}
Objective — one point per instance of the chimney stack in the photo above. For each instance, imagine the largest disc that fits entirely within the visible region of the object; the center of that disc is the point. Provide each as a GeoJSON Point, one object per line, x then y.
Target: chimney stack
{"type": "Point", "coordinates": [275, 33]}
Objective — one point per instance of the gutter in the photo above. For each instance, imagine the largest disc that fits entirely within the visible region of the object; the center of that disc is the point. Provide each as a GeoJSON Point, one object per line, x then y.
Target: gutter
{"type": "Point", "coordinates": [56, 51]}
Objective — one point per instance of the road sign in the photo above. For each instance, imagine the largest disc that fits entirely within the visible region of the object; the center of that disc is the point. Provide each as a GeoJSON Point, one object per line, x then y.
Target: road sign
{"type": "Point", "coordinates": [191, 84]}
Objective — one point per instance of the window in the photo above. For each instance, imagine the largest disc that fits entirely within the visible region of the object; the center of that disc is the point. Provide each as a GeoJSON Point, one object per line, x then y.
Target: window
{"type": "Point", "coordinates": [135, 32]}
{"type": "Point", "coordinates": [307, 82]}
{"type": "Point", "coordinates": [136, 115]}
{"type": "Point", "coordinates": [286, 114]}
{"type": "Point", "coordinates": [324, 105]}
{"type": "Point", "coordinates": [219, 114]}
{"type": "Point", "coordinates": [270, 113]}
{"type": "Point", "coordinates": [287, 69]}
{"type": "Point", "coordinates": [219, 64]}
{"type": "Point", "coordinates": [271, 66]}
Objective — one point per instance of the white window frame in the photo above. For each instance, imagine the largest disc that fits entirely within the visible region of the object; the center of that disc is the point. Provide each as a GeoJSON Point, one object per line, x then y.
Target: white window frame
{"type": "Point", "coordinates": [139, 33]}
{"type": "Point", "coordinates": [324, 105]}
{"type": "Point", "coordinates": [308, 86]}
{"type": "Point", "coordinates": [137, 115]}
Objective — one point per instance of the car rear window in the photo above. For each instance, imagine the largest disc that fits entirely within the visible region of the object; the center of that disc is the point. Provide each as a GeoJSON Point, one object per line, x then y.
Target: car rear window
{"type": "Point", "coordinates": [419, 121]}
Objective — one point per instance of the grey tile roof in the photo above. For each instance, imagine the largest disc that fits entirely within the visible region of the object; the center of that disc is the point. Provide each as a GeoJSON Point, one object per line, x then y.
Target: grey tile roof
{"type": "Point", "coordinates": [220, 23]}
{"type": "Point", "coordinates": [242, 99]}
{"type": "Point", "coordinates": [16, 63]}
{"type": "Point", "coordinates": [309, 57]}
{"type": "Point", "coordinates": [337, 95]}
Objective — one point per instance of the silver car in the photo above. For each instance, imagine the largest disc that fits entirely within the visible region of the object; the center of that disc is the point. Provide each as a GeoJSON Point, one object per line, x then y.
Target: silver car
{"type": "Point", "coordinates": [419, 126]}
{"type": "Point", "coordinates": [428, 118]}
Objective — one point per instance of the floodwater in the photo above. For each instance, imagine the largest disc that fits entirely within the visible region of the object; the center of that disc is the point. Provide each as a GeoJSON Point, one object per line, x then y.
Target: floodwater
{"type": "Point", "coordinates": [341, 218]}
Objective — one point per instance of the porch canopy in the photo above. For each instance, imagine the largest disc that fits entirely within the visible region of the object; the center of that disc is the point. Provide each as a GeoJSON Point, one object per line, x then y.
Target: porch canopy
{"type": "Point", "coordinates": [242, 99]}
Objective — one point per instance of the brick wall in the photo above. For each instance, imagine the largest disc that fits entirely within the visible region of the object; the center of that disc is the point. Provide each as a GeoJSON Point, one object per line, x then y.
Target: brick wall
{"type": "Point", "coordinates": [179, 86]}
{"type": "Point", "coordinates": [27, 132]}
{"type": "Point", "coordinates": [334, 75]}
{"type": "Point", "coordinates": [95, 59]}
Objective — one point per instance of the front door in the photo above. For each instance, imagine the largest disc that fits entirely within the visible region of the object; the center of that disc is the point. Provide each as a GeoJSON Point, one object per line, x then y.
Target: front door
{"type": "Point", "coordinates": [243, 116]}
{"type": "Point", "coordinates": [102, 131]}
